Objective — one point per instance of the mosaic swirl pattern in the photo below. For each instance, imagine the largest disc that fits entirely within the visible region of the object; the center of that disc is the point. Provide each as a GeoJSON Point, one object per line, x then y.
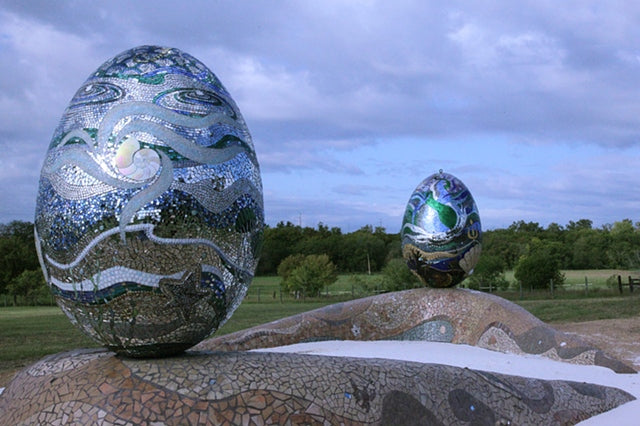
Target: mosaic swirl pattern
{"type": "Point", "coordinates": [149, 216]}
{"type": "Point", "coordinates": [441, 231]}
{"type": "Point", "coordinates": [440, 315]}
{"type": "Point", "coordinates": [227, 387]}
{"type": "Point", "coordinates": [236, 388]}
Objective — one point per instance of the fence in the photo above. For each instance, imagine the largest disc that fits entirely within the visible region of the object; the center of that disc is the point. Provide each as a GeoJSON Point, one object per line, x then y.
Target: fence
{"type": "Point", "coordinates": [587, 288]}
{"type": "Point", "coordinates": [615, 286]}
{"type": "Point", "coordinates": [631, 282]}
{"type": "Point", "coordinates": [259, 295]}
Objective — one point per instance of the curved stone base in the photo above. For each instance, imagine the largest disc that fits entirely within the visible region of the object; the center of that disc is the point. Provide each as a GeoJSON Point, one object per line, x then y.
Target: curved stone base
{"type": "Point", "coordinates": [90, 386]}
{"type": "Point", "coordinates": [230, 387]}
{"type": "Point", "coordinates": [441, 315]}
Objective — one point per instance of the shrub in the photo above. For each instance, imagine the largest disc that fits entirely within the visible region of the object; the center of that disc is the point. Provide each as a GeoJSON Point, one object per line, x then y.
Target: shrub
{"type": "Point", "coordinates": [288, 264]}
{"type": "Point", "coordinates": [537, 269]}
{"type": "Point", "coordinates": [396, 276]}
{"type": "Point", "coordinates": [29, 284]}
{"type": "Point", "coordinates": [489, 272]}
{"type": "Point", "coordinates": [308, 274]}
{"type": "Point", "coordinates": [612, 281]}
{"type": "Point", "coordinates": [363, 286]}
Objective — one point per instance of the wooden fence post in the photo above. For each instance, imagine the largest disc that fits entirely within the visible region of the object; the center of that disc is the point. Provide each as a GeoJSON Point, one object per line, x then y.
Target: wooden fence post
{"type": "Point", "coordinates": [620, 283]}
{"type": "Point", "coordinates": [551, 286]}
{"type": "Point", "coordinates": [586, 286]}
{"type": "Point", "coordinates": [630, 284]}
{"type": "Point", "coordinates": [520, 286]}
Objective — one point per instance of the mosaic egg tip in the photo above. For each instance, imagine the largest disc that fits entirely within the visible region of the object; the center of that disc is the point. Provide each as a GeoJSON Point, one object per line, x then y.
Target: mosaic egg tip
{"type": "Point", "coordinates": [149, 216]}
{"type": "Point", "coordinates": [441, 232]}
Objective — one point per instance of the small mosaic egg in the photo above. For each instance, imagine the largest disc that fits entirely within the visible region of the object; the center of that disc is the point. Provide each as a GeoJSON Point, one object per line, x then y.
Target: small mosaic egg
{"type": "Point", "coordinates": [441, 231]}
{"type": "Point", "coordinates": [149, 217]}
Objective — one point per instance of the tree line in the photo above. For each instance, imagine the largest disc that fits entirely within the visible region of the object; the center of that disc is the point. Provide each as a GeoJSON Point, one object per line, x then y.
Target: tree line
{"type": "Point", "coordinates": [20, 273]}
{"type": "Point", "coordinates": [577, 245]}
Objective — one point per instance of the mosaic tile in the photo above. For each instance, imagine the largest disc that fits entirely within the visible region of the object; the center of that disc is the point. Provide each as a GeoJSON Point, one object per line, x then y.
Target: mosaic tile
{"type": "Point", "coordinates": [149, 215]}
{"type": "Point", "coordinates": [271, 388]}
{"type": "Point", "coordinates": [441, 232]}
{"type": "Point", "coordinates": [444, 315]}
{"type": "Point", "coordinates": [230, 387]}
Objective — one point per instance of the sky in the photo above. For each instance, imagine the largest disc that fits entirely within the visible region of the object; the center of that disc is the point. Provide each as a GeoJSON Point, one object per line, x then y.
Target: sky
{"type": "Point", "coordinates": [534, 105]}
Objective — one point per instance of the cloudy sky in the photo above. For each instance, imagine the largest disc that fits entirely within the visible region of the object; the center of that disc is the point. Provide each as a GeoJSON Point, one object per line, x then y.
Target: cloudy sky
{"type": "Point", "coordinates": [534, 105]}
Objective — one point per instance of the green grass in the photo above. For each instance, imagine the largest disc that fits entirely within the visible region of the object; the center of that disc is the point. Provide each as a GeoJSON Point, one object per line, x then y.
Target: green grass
{"type": "Point", "coordinates": [32, 332]}
{"type": "Point", "coordinates": [575, 278]}
{"type": "Point", "coordinates": [267, 289]}
{"type": "Point", "coordinates": [252, 313]}
{"type": "Point", "coordinates": [578, 310]}
{"type": "Point", "coordinates": [29, 333]}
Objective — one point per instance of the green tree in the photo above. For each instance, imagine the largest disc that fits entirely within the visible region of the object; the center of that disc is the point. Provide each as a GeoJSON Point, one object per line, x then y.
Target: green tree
{"type": "Point", "coordinates": [279, 242]}
{"type": "Point", "coordinates": [288, 264]}
{"type": "Point", "coordinates": [489, 272]}
{"type": "Point", "coordinates": [536, 269]}
{"type": "Point", "coordinates": [624, 248]}
{"type": "Point", "coordinates": [505, 244]}
{"type": "Point", "coordinates": [314, 273]}
{"type": "Point", "coordinates": [362, 251]}
{"type": "Point", "coordinates": [394, 247]}
{"type": "Point", "coordinates": [17, 251]}
{"type": "Point", "coordinates": [582, 224]}
{"type": "Point", "coordinates": [397, 276]}
{"type": "Point", "coordinates": [363, 286]}
{"type": "Point", "coordinates": [29, 284]}
{"type": "Point", "coordinates": [531, 228]}
{"type": "Point", "coordinates": [590, 249]}
{"type": "Point", "coordinates": [18, 228]}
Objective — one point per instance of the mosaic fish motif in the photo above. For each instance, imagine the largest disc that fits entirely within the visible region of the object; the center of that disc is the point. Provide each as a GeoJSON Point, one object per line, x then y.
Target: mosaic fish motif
{"type": "Point", "coordinates": [149, 216]}
{"type": "Point", "coordinates": [441, 231]}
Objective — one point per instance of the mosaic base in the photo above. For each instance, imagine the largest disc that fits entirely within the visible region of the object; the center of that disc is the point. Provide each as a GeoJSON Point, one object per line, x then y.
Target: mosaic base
{"type": "Point", "coordinates": [442, 315]}
{"type": "Point", "coordinates": [233, 388]}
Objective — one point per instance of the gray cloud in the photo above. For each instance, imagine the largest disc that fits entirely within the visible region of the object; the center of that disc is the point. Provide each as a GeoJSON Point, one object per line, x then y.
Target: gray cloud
{"type": "Point", "coordinates": [315, 80]}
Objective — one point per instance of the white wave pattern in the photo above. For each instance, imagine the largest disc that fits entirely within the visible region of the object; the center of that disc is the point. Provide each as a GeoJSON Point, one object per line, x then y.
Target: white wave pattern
{"type": "Point", "coordinates": [420, 236]}
{"type": "Point", "coordinates": [215, 201]}
{"type": "Point", "coordinates": [98, 161]}
{"type": "Point", "coordinates": [148, 230]}
{"type": "Point", "coordinates": [112, 276]}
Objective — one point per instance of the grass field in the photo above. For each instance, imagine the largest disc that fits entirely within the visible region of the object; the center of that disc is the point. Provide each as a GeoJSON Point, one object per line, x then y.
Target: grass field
{"type": "Point", "coordinates": [29, 333]}
{"type": "Point", "coordinates": [267, 289]}
{"type": "Point", "coordinates": [595, 277]}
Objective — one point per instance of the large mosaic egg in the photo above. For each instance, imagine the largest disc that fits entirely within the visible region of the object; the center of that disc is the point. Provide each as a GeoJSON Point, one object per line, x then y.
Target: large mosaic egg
{"type": "Point", "coordinates": [149, 217]}
{"type": "Point", "coordinates": [441, 231]}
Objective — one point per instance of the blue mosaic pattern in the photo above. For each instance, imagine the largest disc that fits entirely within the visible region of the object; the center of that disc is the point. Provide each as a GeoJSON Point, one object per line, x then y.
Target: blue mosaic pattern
{"type": "Point", "coordinates": [438, 330]}
{"type": "Point", "coordinates": [441, 231]}
{"type": "Point", "coordinates": [149, 216]}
